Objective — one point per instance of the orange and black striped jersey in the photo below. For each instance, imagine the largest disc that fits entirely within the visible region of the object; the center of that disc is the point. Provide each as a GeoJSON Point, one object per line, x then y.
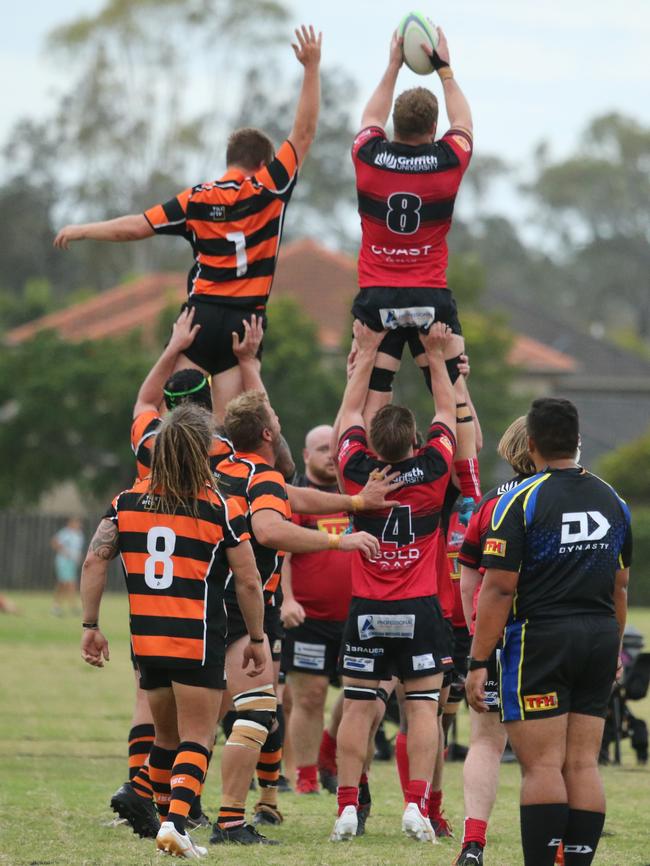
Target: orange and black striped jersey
{"type": "Point", "coordinates": [254, 485]}
{"type": "Point", "coordinates": [143, 430]}
{"type": "Point", "coordinates": [234, 225]}
{"type": "Point", "coordinates": [176, 570]}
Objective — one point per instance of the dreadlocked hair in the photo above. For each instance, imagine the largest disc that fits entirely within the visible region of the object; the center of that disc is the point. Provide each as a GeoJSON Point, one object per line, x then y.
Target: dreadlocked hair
{"type": "Point", "coordinates": [180, 466]}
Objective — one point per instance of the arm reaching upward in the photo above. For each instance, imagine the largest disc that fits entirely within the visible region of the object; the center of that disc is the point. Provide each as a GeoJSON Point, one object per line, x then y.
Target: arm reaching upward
{"type": "Point", "coordinates": [435, 343]}
{"type": "Point", "coordinates": [307, 51]}
{"type": "Point", "coordinates": [378, 108]}
{"type": "Point", "coordinates": [457, 106]}
{"type": "Point", "coordinates": [356, 390]}
{"type": "Point", "coordinates": [150, 395]}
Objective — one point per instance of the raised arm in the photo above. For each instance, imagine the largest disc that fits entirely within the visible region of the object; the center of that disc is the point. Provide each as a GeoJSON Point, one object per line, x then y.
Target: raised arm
{"type": "Point", "coordinates": [133, 227]}
{"type": "Point", "coordinates": [456, 105]}
{"type": "Point", "coordinates": [246, 351]}
{"type": "Point", "coordinates": [150, 395]}
{"type": "Point", "coordinates": [444, 398]}
{"type": "Point", "coordinates": [356, 390]}
{"type": "Point", "coordinates": [373, 497]}
{"type": "Point", "coordinates": [307, 50]}
{"type": "Point", "coordinates": [379, 105]}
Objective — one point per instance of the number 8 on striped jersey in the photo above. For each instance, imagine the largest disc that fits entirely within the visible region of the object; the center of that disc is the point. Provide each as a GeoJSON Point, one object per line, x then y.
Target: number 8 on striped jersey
{"type": "Point", "coordinates": [163, 581]}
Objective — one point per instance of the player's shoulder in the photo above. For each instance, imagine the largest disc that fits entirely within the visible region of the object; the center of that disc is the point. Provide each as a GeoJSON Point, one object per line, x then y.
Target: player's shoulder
{"type": "Point", "coordinates": [607, 490]}
{"type": "Point", "coordinates": [522, 496]}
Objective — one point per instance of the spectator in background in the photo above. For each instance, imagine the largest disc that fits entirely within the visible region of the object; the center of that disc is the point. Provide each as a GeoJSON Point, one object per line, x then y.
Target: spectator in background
{"type": "Point", "coordinates": [68, 545]}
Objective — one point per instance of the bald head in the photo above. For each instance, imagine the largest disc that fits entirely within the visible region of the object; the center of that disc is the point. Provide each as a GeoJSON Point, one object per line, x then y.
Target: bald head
{"type": "Point", "coordinates": [317, 454]}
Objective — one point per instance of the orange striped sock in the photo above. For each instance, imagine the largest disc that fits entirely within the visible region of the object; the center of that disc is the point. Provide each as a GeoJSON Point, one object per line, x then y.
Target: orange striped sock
{"type": "Point", "coordinates": [141, 783]}
{"type": "Point", "coordinates": [268, 768]}
{"type": "Point", "coordinates": [231, 816]}
{"type": "Point", "coordinates": [141, 739]}
{"type": "Point", "coordinates": [161, 762]}
{"type": "Point", "coordinates": [188, 773]}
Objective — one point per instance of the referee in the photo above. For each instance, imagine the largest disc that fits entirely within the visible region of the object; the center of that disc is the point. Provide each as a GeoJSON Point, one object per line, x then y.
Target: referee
{"type": "Point", "coordinates": [557, 560]}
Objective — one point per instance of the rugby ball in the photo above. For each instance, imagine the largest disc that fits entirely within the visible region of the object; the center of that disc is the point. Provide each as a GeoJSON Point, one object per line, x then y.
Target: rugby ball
{"type": "Point", "coordinates": [415, 28]}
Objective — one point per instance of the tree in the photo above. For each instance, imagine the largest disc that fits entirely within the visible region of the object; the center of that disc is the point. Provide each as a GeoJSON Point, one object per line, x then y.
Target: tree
{"type": "Point", "coordinates": [305, 388]}
{"type": "Point", "coordinates": [628, 469]}
{"type": "Point", "coordinates": [596, 205]}
{"type": "Point", "coordinates": [65, 414]}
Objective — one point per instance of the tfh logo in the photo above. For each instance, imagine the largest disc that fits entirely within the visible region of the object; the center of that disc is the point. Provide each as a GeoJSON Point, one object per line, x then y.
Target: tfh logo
{"type": "Point", "coordinates": [583, 526]}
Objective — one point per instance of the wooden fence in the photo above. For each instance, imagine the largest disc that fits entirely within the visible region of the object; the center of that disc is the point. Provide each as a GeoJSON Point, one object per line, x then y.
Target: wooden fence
{"type": "Point", "coordinates": [26, 556]}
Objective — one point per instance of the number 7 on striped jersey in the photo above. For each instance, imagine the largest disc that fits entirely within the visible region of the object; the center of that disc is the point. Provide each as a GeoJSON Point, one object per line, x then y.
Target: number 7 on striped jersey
{"type": "Point", "coordinates": [239, 240]}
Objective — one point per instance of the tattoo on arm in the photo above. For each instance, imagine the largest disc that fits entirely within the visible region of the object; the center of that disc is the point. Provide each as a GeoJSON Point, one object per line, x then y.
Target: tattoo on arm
{"type": "Point", "coordinates": [104, 542]}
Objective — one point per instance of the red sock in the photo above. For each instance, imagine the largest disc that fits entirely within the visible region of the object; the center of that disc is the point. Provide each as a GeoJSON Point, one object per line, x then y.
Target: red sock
{"type": "Point", "coordinates": [327, 752]}
{"type": "Point", "coordinates": [474, 831]}
{"type": "Point", "coordinates": [418, 792]}
{"type": "Point", "coordinates": [402, 761]}
{"type": "Point", "coordinates": [469, 477]}
{"type": "Point", "coordinates": [363, 779]}
{"type": "Point", "coordinates": [308, 774]}
{"type": "Point", "coordinates": [435, 805]}
{"type": "Point", "coordinates": [347, 797]}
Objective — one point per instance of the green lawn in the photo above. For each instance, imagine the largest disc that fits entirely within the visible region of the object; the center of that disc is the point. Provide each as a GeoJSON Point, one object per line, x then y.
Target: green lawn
{"type": "Point", "coordinates": [63, 727]}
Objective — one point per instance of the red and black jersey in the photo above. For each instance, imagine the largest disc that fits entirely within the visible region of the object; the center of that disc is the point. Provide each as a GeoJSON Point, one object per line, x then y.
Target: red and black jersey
{"type": "Point", "coordinates": [176, 569]}
{"type": "Point", "coordinates": [322, 580]}
{"type": "Point", "coordinates": [255, 486]}
{"type": "Point", "coordinates": [145, 427]}
{"type": "Point", "coordinates": [234, 225]}
{"type": "Point", "coordinates": [409, 534]}
{"type": "Point", "coordinates": [478, 530]}
{"type": "Point", "coordinates": [406, 198]}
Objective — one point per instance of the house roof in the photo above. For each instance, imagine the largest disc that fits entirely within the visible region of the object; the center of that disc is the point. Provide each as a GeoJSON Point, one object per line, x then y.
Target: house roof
{"type": "Point", "coordinates": [324, 282]}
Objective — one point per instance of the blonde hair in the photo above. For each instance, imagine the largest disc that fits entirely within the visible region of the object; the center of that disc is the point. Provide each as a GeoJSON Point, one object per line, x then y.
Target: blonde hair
{"type": "Point", "coordinates": [246, 419]}
{"type": "Point", "coordinates": [513, 447]}
{"type": "Point", "coordinates": [180, 466]}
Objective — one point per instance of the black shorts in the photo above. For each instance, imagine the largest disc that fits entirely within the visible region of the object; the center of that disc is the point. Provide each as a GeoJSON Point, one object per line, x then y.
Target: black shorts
{"type": "Point", "coordinates": [272, 627]}
{"type": "Point", "coordinates": [212, 346]}
{"type": "Point", "coordinates": [154, 677]}
{"type": "Point", "coordinates": [462, 643]}
{"type": "Point", "coordinates": [313, 647]}
{"type": "Point", "coordinates": [550, 667]}
{"type": "Point", "coordinates": [406, 638]}
{"type": "Point", "coordinates": [368, 304]}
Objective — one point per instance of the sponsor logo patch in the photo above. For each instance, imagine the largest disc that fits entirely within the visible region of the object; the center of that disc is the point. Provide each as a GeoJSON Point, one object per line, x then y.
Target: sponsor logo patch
{"type": "Point", "coordinates": [312, 663]}
{"type": "Point", "coordinates": [407, 317]}
{"type": "Point", "coordinates": [583, 526]}
{"type": "Point", "coordinates": [310, 649]}
{"type": "Point", "coordinates": [463, 143]}
{"type": "Point", "coordinates": [423, 662]}
{"type": "Point", "coordinates": [218, 213]}
{"type": "Point", "coordinates": [445, 441]}
{"type": "Point", "coordinates": [356, 663]}
{"type": "Point", "coordinates": [335, 525]}
{"type": "Point", "coordinates": [539, 703]}
{"type": "Point", "coordinates": [386, 625]}
{"type": "Point", "coordinates": [495, 547]}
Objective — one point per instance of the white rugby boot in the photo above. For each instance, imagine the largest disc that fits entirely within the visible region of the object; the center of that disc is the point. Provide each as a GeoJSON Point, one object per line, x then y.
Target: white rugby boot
{"type": "Point", "coordinates": [416, 826]}
{"type": "Point", "coordinates": [345, 827]}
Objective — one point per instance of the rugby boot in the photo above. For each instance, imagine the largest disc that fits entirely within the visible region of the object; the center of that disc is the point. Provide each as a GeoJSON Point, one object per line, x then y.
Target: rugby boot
{"type": "Point", "coordinates": [442, 827]}
{"type": "Point", "coordinates": [328, 778]}
{"type": "Point", "coordinates": [266, 814]}
{"type": "Point", "coordinates": [138, 811]}
{"type": "Point", "coordinates": [363, 813]}
{"type": "Point", "coordinates": [346, 824]}
{"type": "Point", "coordinates": [284, 786]}
{"type": "Point", "coordinates": [416, 826]}
{"type": "Point", "coordinates": [170, 841]}
{"type": "Point", "coordinates": [307, 786]}
{"type": "Point", "coordinates": [245, 834]}
{"type": "Point", "coordinates": [196, 822]}
{"type": "Point", "coordinates": [471, 855]}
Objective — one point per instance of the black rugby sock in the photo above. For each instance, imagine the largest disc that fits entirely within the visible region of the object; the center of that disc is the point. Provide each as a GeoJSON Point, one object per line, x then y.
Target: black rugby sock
{"type": "Point", "coordinates": [542, 829]}
{"type": "Point", "coordinates": [581, 837]}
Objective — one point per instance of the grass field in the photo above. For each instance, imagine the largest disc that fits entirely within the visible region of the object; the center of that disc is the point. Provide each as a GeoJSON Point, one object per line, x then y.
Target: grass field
{"type": "Point", "coordinates": [63, 727]}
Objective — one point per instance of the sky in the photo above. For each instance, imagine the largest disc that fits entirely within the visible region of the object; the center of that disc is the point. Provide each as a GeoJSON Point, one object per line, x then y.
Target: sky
{"type": "Point", "coordinates": [531, 70]}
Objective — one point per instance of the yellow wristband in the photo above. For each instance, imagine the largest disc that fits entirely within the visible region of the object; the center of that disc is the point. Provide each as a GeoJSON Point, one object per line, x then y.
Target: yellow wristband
{"type": "Point", "coordinates": [357, 502]}
{"type": "Point", "coordinates": [445, 72]}
{"type": "Point", "coordinates": [334, 540]}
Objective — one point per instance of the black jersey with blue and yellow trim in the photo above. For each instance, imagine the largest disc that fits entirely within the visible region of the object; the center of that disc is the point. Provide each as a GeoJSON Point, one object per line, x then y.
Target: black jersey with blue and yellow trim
{"type": "Point", "coordinates": [566, 532]}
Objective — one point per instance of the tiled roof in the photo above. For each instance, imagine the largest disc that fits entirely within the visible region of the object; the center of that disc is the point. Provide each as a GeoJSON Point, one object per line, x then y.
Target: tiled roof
{"type": "Point", "coordinates": [324, 282]}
